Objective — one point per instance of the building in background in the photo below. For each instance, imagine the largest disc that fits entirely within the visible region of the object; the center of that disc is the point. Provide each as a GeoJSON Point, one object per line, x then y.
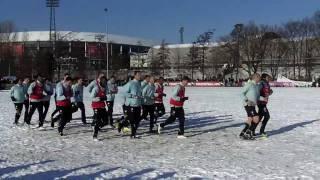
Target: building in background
{"type": "Point", "coordinates": [80, 53]}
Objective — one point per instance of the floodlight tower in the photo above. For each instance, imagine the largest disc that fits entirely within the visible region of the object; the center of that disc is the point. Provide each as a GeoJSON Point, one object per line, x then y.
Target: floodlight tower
{"type": "Point", "coordinates": [181, 31]}
{"type": "Point", "coordinates": [52, 4]}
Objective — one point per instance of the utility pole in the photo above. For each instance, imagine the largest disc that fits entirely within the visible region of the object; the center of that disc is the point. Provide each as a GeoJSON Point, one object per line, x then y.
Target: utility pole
{"type": "Point", "coordinates": [238, 28]}
{"type": "Point", "coordinates": [107, 41]}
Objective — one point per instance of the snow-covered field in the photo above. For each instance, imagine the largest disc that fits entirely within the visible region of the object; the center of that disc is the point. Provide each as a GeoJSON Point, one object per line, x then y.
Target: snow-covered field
{"type": "Point", "coordinates": [212, 150]}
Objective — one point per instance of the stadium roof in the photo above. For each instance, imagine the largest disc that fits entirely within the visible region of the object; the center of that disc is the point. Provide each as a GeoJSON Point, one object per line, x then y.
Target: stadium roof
{"type": "Point", "coordinates": [79, 36]}
{"type": "Point", "coordinates": [173, 46]}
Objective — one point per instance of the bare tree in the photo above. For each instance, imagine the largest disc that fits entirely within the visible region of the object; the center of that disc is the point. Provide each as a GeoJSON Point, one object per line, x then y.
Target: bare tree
{"type": "Point", "coordinates": [203, 42]}
{"type": "Point", "coordinates": [162, 58]}
{"type": "Point", "coordinates": [193, 61]}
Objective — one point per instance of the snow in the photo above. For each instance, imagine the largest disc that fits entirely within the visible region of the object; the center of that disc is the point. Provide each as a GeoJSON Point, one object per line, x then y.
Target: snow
{"type": "Point", "coordinates": [211, 151]}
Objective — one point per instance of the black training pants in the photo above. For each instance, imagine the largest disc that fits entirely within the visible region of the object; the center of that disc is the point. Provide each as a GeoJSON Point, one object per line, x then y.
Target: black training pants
{"type": "Point", "coordinates": [176, 112]}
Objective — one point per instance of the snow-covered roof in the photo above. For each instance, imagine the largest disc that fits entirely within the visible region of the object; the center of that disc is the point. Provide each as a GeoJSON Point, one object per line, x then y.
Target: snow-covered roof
{"type": "Point", "coordinates": [79, 36]}
{"type": "Point", "coordinates": [188, 45]}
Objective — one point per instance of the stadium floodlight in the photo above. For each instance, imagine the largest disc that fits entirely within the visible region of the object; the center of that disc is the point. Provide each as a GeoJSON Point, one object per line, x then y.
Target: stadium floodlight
{"type": "Point", "coordinates": [53, 3]}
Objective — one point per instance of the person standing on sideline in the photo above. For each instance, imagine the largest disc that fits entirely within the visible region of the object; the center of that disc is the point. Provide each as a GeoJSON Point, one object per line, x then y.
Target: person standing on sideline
{"type": "Point", "coordinates": [36, 93]}
{"type": "Point", "coordinates": [148, 94]}
{"type": "Point", "coordinates": [77, 99]}
{"type": "Point", "coordinates": [48, 88]}
{"type": "Point", "coordinates": [250, 95]}
{"type": "Point", "coordinates": [159, 106]}
{"type": "Point", "coordinates": [176, 102]}
{"type": "Point", "coordinates": [144, 83]}
{"type": "Point", "coordinates": [18, 97]}
{"type": "Point", "coordinates": [265, 93]}
{"type": "Point", "coordinates": [133, 93]}
{"type": "Point", "coordinates": [26, 84]}
{"type": "Point", "coordinates": [64, 95]}
{"type": "Point", "coordinates": [112, 91]}
{"type": "Point", "coordinates": [99, 96]}
{"type": "Point", "coordinates": [66, 75]}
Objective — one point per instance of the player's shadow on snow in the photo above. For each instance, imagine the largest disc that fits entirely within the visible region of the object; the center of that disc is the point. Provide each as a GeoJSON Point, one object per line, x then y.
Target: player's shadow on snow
{"type": "Point", "coordinates": [12, 169]}
{"type": "Point", "coordinates": [194, 113]}
{"type": "Point", "coordinates": [52, 174]}
{"type": "Point", "coordinates": [197, 123]}
{"type": "Point", "coordinates": [137, 175]}
{"type": "Point", "coordinates": [200, 132]}
{"type": "Point", "coordinates": [290, 127]}
{"type": "Point", "coordinates": [92, 175]}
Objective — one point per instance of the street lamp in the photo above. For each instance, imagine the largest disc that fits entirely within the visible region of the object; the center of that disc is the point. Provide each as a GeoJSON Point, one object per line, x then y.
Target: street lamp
{"type": "Point", "coordinates": [107, 41]}
{"type": "Point", "coordinates": [238, 28]}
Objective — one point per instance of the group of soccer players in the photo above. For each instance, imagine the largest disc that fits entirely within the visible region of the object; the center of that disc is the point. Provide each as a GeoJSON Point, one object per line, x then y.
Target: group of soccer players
{"type": "Point", "coordinates": [141, 98]}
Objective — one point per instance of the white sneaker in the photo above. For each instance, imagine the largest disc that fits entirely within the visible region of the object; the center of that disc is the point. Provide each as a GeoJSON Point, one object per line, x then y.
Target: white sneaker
{"type": "Point", "coordinates": [159, 129]}
{"type": "Point", "coordinates": [95, 139]}
{"type": "Point", "coordinates": [181, 137]}
{"type": "Point", "coordinates": [41, 128]}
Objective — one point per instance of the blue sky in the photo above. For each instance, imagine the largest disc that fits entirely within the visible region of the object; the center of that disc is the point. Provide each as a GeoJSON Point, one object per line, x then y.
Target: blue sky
{"type": "Point", "coordinates": [155, 19]}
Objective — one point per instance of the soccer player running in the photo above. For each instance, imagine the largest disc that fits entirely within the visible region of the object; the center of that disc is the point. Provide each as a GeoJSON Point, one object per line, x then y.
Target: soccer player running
{"type": "Point", "coordinates": [94, 83]}
{"type": "Point", "coordinates": [18, 97]}
{"type": "Point", "coordinates": [112, 91]}
{"type": "Point", "coordinates": [144, 83]}
{"type": "Point", "coordinates": [48, 88]}
{"type": "Point", "coordinates": [124, 123]}
{"type": "Point", "coordinates": [64, 95]}
{"type": "Point", "coordinates": [250, 95]}
{"type": "Point", "coordinates": [148, 94]}
{"type": "Point", "coordinates": [133, 93]}
{"type": "Point", "coordinates": [99, 96]}
{"type": "Point", "coordinates": [36, 93]}
{"type": "Point", "coordinates": [176, 102]}
{"type": "Point", "coordinates": [265, 92]}
{"type": "Point", "coordinates": [54, 119]}
{"type": "Point", "coordinates": [77, 99]}
{"type": "Point", "coordinates": [26, 84]}
{"type": "Point", "coordinates": [159, 106]}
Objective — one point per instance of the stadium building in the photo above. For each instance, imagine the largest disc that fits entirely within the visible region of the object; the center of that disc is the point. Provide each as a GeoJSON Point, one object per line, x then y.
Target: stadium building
{"type": "Point", "coordinates": [82, 53]}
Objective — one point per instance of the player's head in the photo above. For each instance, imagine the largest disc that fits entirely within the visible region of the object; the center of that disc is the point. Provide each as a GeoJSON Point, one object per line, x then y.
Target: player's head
{"type": "Point", "coordinates": [38, 78]}
{"type": "Point", "coordinates": [66, 75]}
{"type": "Point", "coordinates": [68, 81]}
{"type": "Point", "coordinates": [185, 80]}
{"type": "Point", "coordinates": [19, 81]}
{"type": "Point", "coordinates": [137, 75]}
{"type": "Point", "coordinates": [26, 80]}
{"type": "Point", "coordinates": [80, 80]}
{"type": "Point", "coordinates": [151, 80]}
{"type": "Point", "coordinates": [255, 77]}
{"type": "Point", "coordinates": [46, 80]}
{"type": "Point", "coordinates": [100, 74]}
{"type": "Point", "coordinates": [113, 78]}
{"type": "Point", "coordinates": [266, 77]}
{"type": "Point", "coordinates": [103, 81]}
{"type": "Point", "coordinates": [147, 78]}
{"type": "Point", "coordinates": [161, 80]}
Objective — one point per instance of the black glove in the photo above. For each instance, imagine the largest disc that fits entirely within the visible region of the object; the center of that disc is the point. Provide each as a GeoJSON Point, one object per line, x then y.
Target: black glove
{"type": "Point", "coordinates": [13, 99]}
{"type": "Point", "coordinates": [77, 93]}
{"type": "Point", "coordinates": [271, 91]}
{"type": "Point", "coordinates": [185, 98]}
{"type": "Point", "coordinates": [103, 98]}
{"type": "Point", "coordinates": [164, 95]}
